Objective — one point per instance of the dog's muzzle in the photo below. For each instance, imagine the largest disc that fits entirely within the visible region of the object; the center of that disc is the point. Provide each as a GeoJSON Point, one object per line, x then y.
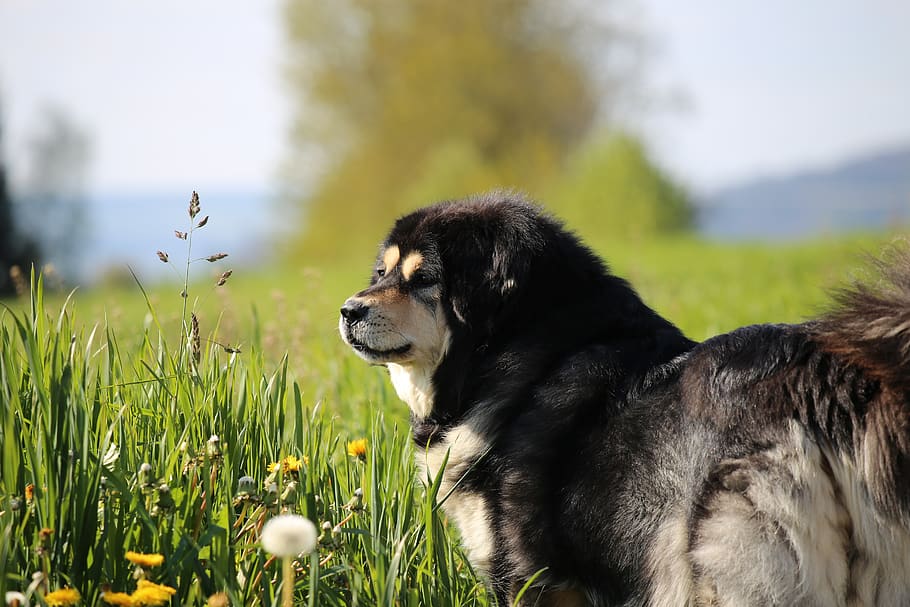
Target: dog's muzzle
{"type": "Point", "coordinates": [354, 311]}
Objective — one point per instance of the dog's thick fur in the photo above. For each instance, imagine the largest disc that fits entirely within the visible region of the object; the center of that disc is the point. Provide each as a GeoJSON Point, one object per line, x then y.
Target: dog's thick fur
{"type": "Point", "coordinates": [587, 437]}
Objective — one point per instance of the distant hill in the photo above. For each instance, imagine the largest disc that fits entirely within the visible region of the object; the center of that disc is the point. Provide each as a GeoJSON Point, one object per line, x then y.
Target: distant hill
{"type": "Point", "coordinates": [868, 193]}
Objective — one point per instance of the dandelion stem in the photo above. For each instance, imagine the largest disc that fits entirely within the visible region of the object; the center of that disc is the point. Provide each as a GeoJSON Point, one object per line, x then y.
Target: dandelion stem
{"type": "Point", "coordinates": [287, 584]}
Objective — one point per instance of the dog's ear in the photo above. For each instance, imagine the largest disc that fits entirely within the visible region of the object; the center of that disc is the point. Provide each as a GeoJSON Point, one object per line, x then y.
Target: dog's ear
{"type": "Point", "coordinates": [485, 267]}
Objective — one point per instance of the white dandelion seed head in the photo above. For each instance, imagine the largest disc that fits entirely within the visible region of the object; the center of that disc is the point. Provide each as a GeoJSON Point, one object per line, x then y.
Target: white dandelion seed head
{"type": "Point", "coordinates": [16, 598]}
{"type": "Point", "coordinates": [289, 535]}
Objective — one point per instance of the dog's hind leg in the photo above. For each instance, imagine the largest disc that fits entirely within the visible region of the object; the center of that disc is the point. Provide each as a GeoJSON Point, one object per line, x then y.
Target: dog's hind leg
{"type": "Point", "coordinates": [770, 529]}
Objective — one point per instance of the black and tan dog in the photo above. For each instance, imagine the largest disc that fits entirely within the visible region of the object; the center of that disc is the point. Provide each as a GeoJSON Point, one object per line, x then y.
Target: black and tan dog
{"type": "Point", "coordinates": [586, 436]}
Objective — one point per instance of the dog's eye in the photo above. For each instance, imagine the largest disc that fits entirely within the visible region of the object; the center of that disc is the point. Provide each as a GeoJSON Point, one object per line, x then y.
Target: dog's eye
{"type": "Point", "coordinates": [380, 272]}
{"type": "Point", "coordinates": [421, 279]}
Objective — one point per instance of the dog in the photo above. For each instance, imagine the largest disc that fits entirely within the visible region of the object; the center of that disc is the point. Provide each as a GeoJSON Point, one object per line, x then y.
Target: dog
{"type": "Point", "coordinates": [590, 448]}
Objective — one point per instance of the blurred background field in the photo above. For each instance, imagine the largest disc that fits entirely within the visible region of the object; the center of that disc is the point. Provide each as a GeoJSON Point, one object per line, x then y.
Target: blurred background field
{"type": "Point", "coordinates": [734, 162]}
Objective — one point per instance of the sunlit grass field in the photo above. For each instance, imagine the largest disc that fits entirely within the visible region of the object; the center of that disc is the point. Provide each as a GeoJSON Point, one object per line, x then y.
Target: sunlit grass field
{"type": "Point", "coordinates": [119, 435]}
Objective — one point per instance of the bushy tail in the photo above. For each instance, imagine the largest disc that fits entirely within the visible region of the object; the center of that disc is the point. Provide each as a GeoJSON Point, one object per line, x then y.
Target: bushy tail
{"type": "Point", "coordinates": [870, 325]}
{"type": "Point", "coordinates": [870, 329]}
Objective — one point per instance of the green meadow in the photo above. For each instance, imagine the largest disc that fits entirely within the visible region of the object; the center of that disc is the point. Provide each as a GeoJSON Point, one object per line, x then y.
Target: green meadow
{"type": "Point", "coordinates": [123, 430]}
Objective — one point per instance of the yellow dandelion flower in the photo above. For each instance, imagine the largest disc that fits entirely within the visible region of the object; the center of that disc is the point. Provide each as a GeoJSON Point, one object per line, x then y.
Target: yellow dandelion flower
{"type": "Point", "coordinates": [121, 599]}
{"type": "Point", "coordinates": [150, 594]}
{"type": "Point", "coordinates": [62, 598]}
{"type": "Point", "coordinates": [358, 448]}
{"type": "Point", "coordinates": [145, 560]}
{"type": "Point", "coordinates": [272, 467]}
{"type": "Point", "coordinates": [144, 584]}
{"type": "Point", "coordinates": [290, 464]}
{"type": "Point", "coordinates": [149, 597]}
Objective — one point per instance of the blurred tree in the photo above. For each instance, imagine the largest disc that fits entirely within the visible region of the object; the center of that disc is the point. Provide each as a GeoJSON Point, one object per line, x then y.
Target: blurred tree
{"type": "Point", "coordinates": [52, 204]}
{"type": "Point", "coordinates": [402, 102]}
{"type": "Point", "coordinates": [612, 188]}
{"type": "Point", "coordinates": [16, 250]}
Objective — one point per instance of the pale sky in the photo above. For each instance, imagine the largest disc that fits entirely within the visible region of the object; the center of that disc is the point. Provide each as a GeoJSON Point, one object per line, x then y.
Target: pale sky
{"type": "Point", "coordinates": [180, 94]}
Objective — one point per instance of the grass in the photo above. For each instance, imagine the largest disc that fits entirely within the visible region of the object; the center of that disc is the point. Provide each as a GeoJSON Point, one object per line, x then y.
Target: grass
{"type": "Point", "coordinates": [107, 450]}
{"type": "Point", "coordinates": [114, 438]}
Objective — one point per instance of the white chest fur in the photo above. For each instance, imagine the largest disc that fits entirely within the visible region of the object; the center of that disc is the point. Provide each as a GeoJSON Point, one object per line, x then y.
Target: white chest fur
{"type": "Point", "coordinates": [467, 510]}
{"type": "Point", "coordinates": [414, 385]}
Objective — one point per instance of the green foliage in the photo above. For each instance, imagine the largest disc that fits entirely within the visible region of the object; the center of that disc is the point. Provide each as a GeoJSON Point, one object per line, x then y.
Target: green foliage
{"type": "Point", "coordinates": [612, 189]}
{"type": "Point", "coordinates": [415, 101]}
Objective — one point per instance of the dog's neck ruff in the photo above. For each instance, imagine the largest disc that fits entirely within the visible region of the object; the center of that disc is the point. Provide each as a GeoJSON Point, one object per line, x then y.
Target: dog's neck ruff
{"type": "Point", "coordinates": [414, 385]}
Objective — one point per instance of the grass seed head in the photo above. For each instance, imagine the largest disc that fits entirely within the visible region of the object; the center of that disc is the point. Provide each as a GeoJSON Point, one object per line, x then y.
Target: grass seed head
{"type": "Point", "coordinates": [223, 278]}
{"type": "Point", "coordinates": [202, 222]}
{"type": "Point", "coordinates": [195, 341]}
{"type": "Point", "coordinates": [194, 205]}
{"type": "Point", "coordinates": [163, 256]}
{"type": "Point", "coordinates": [216, 257]}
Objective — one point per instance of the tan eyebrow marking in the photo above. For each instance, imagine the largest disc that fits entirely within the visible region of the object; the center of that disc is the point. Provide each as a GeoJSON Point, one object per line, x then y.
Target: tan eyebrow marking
{"type": "Point", "coordinates": [410, 265]}
{"type": "Point", "coordinates": [390, 257]}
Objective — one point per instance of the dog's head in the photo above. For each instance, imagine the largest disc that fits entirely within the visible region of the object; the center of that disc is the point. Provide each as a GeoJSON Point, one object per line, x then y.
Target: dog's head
{"type": "Point", "coordinates": [454, 278]}
{"type": "Point", "coordinates": [400, 317]}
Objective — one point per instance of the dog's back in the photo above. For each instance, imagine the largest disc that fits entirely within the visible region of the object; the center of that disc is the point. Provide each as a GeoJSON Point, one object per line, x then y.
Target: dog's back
{"type": "Point", "coordinates": [809, 503]}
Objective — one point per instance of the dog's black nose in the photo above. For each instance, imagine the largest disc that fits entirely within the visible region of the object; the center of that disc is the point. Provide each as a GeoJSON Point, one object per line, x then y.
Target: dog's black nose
{"type": "Point", "coordinates": [353, 310]}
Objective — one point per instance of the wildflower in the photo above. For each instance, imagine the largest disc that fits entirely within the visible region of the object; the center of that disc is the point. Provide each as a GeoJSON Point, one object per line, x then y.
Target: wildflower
{"type": "Point", "coordinates": [355, 504]}
{"type": "Point", "coordinates": [16, 599]}
{"type": "Point", "coordinates": [44, 541]}
{"type": "Point", "coordinates": [165, 500]}
{"type": "Point", "coordinates": [147, 585]}
{"type": "Point", "coordinates": [213, 445]}
{"type": "Point", "coordinates": [289, 495]}
{"type": "Point", "coordinates": [146, 476]}
{"type": "Point", "coordinates": [288, 535]}
{"type": "Point", "coordinates": [290, 464]}
{"type": "Point", "coordinates": [152, 594]}
{"type": "Point", "coordinates": [29, 492]}
{"type": "Point", "coordinates": [145, 560]}
{"type": "Point", "coordinates": [121, 599]}
{"type": "Point", "coordinates": [246, 485]}
{"type": "Point", "coordinates": [62, 598]}
{"type": "Point", "coordinates": [219, 599]}
{"type": "Point", "coordinates": [358, 448]}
